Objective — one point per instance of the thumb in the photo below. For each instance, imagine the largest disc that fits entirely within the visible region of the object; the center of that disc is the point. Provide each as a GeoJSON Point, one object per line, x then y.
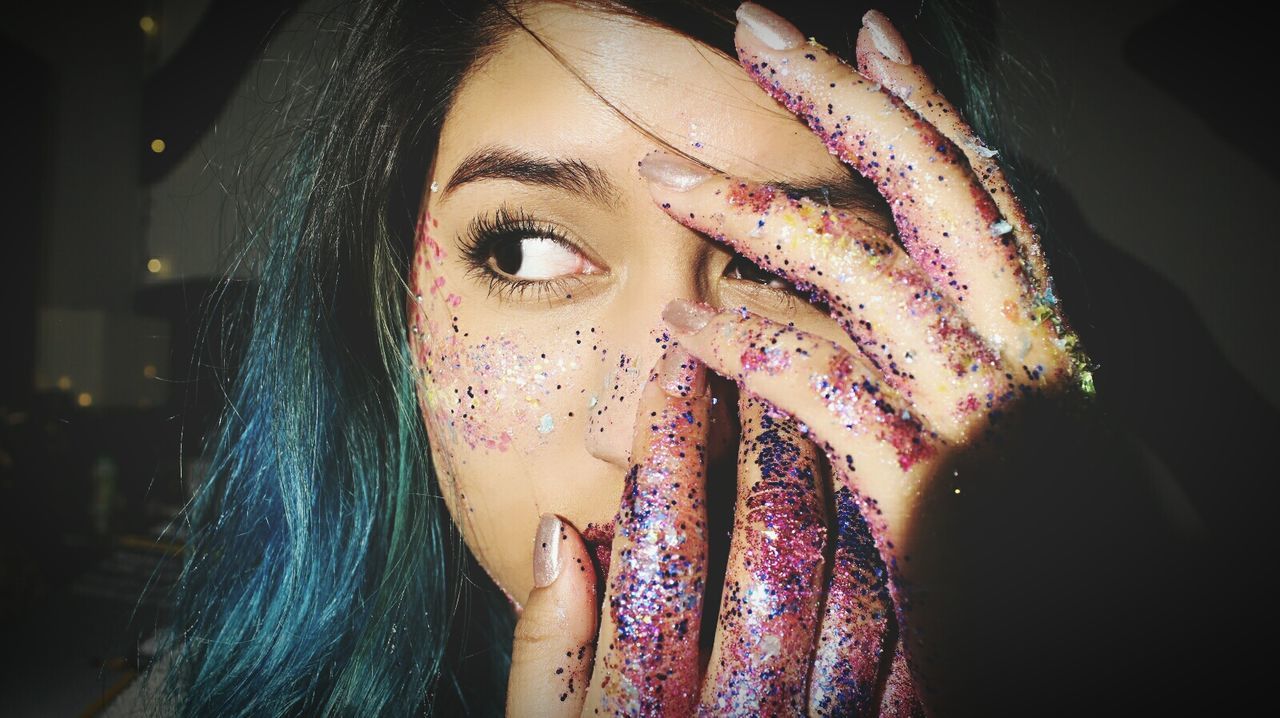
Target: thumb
{"type": "Point", "coordinates": [555, 637]}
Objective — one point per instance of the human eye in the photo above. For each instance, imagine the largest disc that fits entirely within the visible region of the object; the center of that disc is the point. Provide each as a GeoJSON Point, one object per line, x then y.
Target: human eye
{"type": "Point", "coordinates": [741, 269]}
{"type": "Point", "coordinates": [517, 254]}
{"type": "Point", "coordinates": [769, 287]}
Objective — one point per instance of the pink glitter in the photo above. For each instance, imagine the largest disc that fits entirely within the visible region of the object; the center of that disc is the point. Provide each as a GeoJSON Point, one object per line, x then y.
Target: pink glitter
{"type": "Point", "coordinates": [770, 360]}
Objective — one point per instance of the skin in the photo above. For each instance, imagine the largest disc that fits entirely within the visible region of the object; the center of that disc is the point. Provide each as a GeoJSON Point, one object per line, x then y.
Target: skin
{"type": "Point", "coordinates": [524, 99]}
{"type": "Point", "coordinates": [589, 401]}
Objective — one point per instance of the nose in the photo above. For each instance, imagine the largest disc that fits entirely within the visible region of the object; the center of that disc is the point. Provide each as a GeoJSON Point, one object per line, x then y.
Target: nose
{"type": "Point", "coordinates": [638, 338]}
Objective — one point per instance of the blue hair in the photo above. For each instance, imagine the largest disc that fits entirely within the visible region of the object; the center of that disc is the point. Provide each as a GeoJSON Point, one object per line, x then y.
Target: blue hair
{"type": "Point", "coordinates": [323, 573]}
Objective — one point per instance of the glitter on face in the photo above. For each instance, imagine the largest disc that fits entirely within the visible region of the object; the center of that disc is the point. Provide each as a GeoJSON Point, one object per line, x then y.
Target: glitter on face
{"type": "Point", "coordinates": [482, 392]}
{"type": "Point", "coordinates": [497, 393]}
{"type": "Point", "coordinates": [614, 399]}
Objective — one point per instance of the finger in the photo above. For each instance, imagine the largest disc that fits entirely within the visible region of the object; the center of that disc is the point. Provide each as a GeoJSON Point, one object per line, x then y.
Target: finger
{"type": "Point", "coordinates": [914, 336]}
{"type": "Point", "coordinates": [836, 394]}
{"type": "Point", "coordinates": [883, 57]}
{"type": "Point", "coordinates": [554, 640]}
{"type": "Point", "coordinates": [649, 634]}
{"type": "Point", "coordinates": [851, 646]}
{"type": "Point", "coordinates": [769, 611]}
{"type": "Point", "coordinates": [946, 220]}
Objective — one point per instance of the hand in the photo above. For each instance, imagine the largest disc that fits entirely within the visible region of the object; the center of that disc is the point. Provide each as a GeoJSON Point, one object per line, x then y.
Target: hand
{"type": "Point", "coordinates": [649, 660]}
{"type": "Point", "coordinates": [648, 636]}
{"type": "Point", "coordinates": [952, 334]}
{"type": "Point", "coordinates": [940, 356]}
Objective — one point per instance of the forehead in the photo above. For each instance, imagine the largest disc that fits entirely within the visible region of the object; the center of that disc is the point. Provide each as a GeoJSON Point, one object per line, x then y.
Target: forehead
{"type": "Point", "coordinates": [682, 91]}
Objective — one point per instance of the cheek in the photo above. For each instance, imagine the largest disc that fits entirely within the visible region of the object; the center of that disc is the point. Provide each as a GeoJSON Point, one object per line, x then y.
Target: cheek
{"type": "Point", "coordinates": [492, 382]}
{"type": "Point", "coordinates": [502, 392]}
{"type": "Point", "coordinates": [428, 270]}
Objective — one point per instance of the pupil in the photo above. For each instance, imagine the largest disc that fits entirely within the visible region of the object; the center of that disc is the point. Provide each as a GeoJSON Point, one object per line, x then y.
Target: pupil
{"type": "Point", "coordinates": [750, 272]}
{"type": "Point", "coordinates": [508, 256]}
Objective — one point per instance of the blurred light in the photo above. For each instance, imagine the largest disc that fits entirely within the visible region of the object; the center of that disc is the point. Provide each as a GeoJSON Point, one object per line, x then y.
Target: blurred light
{"type": "Point", "coordinates": [64, 382]}
{"type": "Point", "coordinates": [149, 371]}
{"type": "Point", "coordinates": [148, 25]}
{"type": "Point", "coordinates": [84, 399]}
{"type": "Point", "coordinates": [157, 145]}
{"type": "Point", "coordinates": [154, 265]}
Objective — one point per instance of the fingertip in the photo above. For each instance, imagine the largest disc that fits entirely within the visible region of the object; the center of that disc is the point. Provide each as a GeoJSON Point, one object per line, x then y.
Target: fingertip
{"type": "Point", "coordinates": [562, 571]}
{"type": "Point", "coordinates": [894, 76]}
{"type": "Point", "coordinates": [554, 643]}
{"type": "Point", "coordinates": [756, 22]}
{"type": "Point", "coordinates": [546, 550]}
{"type": "Point", "coordinates": [687, 317]}
{"type": "Point", "coordinates": [673, 172]}
{"type": "Point", "coordinates": [885, 37]}
{"type": "Point", "coordinates": [681, 374]}
{"type": "Point", "coordinates": [865, 52]}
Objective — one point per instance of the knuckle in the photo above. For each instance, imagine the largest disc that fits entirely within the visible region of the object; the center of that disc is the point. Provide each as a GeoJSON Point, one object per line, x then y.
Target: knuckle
{"type": "Point", "coordinates": [533, 630]}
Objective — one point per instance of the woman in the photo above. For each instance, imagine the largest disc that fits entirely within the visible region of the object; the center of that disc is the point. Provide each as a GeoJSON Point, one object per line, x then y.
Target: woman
{"type": "Point", "coordinates": [636, 275]}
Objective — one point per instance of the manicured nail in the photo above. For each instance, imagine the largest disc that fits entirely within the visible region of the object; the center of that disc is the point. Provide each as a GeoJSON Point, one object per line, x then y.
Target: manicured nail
{"type": "Point", "coordinates": [546, 551]}
{"type": "Point", "coordinates": [769, 27]}
{"type": "Point", "coordinates": [680, 374]}
{"type": "Point", "coordinates": [886, 38]}
{"type": "Point", "coordinates": [686, 316]}
{"type": "Point", "coordinates": [672, 171]}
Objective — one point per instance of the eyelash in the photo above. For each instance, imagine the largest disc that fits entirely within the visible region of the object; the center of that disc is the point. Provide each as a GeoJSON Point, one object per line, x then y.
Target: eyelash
{"type": "Point", "coordinates": [486, 231]}
{"type": "Point", "coordinates": [506, 223]}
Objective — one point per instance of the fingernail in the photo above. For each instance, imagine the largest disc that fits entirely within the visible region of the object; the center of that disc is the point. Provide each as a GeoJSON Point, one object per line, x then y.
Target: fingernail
{"type": "Point", "coordinates": [886, 38]}
{"type": "Point", "coordinates": [769, 27]}
{"type": "Point", "coordinates": [680, 374]}
{"type": "Point", "coordinates": [546, 551]}
{"type": "Point", "coordinates": [686, 316]}
{"type": "Point", "coordinates": [673, 171]}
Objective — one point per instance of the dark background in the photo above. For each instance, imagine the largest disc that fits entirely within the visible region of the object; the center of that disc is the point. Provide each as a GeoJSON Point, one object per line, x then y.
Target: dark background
{"type": "Point", "coordinates": [1151, 119]}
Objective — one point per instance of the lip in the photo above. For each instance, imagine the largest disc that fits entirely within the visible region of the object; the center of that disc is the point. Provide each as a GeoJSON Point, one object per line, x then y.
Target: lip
{"type": "Point", "coordinates": [599, 539]}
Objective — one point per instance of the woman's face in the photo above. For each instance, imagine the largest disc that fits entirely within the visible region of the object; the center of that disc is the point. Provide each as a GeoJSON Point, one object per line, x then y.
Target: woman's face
{"type": "Point", "coordinates": [543, 265]}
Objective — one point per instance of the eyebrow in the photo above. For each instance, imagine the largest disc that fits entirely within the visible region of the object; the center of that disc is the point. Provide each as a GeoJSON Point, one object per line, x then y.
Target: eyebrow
{"type": "Point", "coordinates": [571, 175]}
{"type": "Point", "coordinates": [846, 190]}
